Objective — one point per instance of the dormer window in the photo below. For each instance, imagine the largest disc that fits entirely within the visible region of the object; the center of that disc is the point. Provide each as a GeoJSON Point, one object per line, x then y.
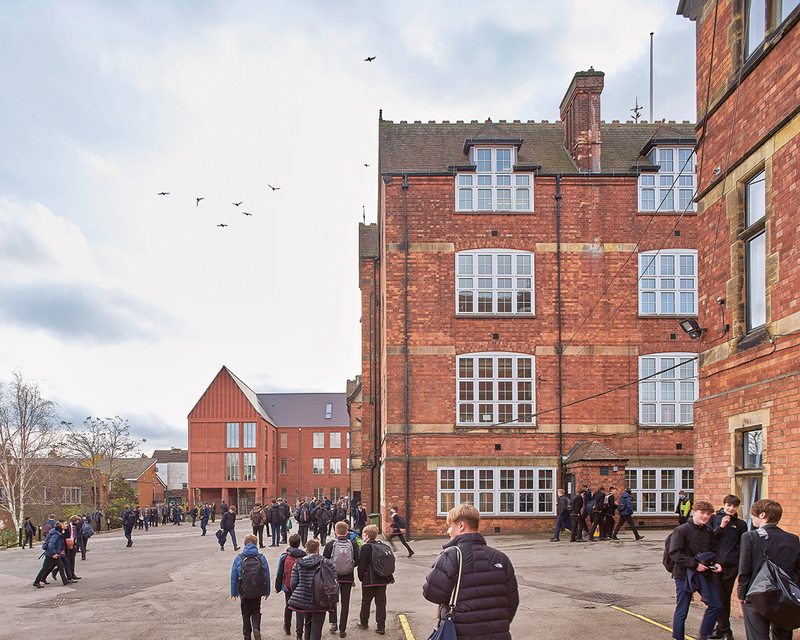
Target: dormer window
{"type": "Point", "coordinates": [672, 187]}
{"type": "Point", "coordinates": [328, 411]}
{"type": "Point", "coordinates": [493, 186]}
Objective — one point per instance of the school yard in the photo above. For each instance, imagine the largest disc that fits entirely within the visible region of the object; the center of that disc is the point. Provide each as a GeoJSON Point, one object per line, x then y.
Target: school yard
{"type": "Point", "coordinates": [173, 583]}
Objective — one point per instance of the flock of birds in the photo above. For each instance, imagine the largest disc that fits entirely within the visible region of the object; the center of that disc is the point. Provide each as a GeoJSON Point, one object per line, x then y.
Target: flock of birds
{"type": "Point", "coordinates": [236, 204]}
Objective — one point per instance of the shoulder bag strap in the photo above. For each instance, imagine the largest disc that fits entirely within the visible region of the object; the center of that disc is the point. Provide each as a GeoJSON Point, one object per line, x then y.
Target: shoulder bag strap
{"type": "Point", "coordinates": [454, 595]}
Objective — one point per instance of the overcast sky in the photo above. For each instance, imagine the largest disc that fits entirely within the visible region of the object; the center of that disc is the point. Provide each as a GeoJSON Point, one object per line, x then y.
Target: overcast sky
{"type": "Point", "coordinates": [122, 302]}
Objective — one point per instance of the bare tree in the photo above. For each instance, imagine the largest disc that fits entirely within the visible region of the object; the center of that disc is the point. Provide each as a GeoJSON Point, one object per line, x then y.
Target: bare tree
{"type": "Point", "coordinates": [98, 447]}
{"type": "Point", "coordinates": [28, 430]}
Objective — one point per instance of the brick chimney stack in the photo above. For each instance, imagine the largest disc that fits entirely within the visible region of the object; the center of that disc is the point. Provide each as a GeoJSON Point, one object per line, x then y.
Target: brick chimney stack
{"type": "Point", "coordinates": [580, 113]}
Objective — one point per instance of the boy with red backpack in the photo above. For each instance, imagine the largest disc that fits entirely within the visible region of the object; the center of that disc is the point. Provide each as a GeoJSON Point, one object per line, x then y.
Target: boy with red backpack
{"type": "Point", "coordinates": [343, 552]}
{"type": "Point", "coordinates": [250, 581]}
{"type": "Point", "coordinates": [283, 580]}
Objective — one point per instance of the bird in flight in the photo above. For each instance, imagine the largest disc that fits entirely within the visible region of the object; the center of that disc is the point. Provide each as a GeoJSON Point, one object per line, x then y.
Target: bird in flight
{"type": "Point", "coordinates": [273, 188]}
{"type": "Point", "coordinates": [198, 201]}
{"type": "Point", "coordinates": [222, 225]}
{"type": "Point", "coordinates": [247, 214]}
{"type": "Point", "coordinates": [365, 164]}
{"type": "Point", "coordinates": [164, 193]}
{"type": "Point", "coordinates": [369, 59]}
{"type": "Point", "coordinates": [236, 204]}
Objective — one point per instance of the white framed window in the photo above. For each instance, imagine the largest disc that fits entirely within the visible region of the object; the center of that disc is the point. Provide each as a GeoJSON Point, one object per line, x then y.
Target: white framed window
{"type": "Point", "coordinates": [336, 440]}
{"type": "Point", "coordinates": [319, 466]}
{"type": "Point", "coordinates": [655, 490]}
{"type": "Point", "coordinates": [335, 494]}
{"type": "Point", "coordinates": [249, 435]}
{"type": "Point", "coordinates": [72, 495]}
{"type": "Point", "coordinates": [233, 435]}
{"type": "Point", "coordinates": [672, 187]}
{"type": "Point", "coordinates": [668, 393]}
{"type": "Point", "coordinates": [328, 411]}
{"type": "Point", "coordinates": [284, 466]}
{"type": "Point", "coordinates": [494, 281]}
{"type": "Point", "coordinates": [493, 186]}
{"type": "Point", "coordinates": [232, 467]}
{"type": "Point", "coordinates": [319, 439]}
{"type": "Point", "coordinates": [499, 491]}
{"type": "Point", "coordinates": [755, 251]}
{"type": "Point", "coordinates": [348, 466]}
{"type": "Point", "coordinates": [318, 493]}
{"type": "Point", "coordinates": [348, 439]}
{"type": "Point", "coordinates": [336, 466]}
{"type": "Point", "coordinates": [249, 468]}
{"type": "Point", "coordinates": [495, 388]}
{"type": "Point", "coordinates": [668, 282]}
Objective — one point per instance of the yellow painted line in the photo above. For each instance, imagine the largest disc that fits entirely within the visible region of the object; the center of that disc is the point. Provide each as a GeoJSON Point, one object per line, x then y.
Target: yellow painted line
{"type": "Point", "coordinates": [636, 615]}
{"type": "Point", "coordinates": [405, 626]}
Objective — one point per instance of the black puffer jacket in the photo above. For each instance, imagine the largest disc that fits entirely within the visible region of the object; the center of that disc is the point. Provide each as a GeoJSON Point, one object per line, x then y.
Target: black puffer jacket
{"type": "Point", "coordinates": [488, 597]}
{"type": "Point", "coordinates": [302, 598]}
{"type": "Point", "coordinates": [274, 514]}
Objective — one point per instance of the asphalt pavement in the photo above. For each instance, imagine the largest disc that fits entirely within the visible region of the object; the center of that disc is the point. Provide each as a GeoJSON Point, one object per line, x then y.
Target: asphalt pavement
{"type": "Point", "coordinates": [174, 584]}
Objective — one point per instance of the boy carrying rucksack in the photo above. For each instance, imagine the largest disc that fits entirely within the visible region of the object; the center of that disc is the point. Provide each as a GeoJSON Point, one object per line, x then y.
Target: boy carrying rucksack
{"type": "Point", "coordinates": [375, 568]}
{"type": "Point", "coordinates": [283, 582]}
{"type": "Point", "coordinates": [343, 552]}
{"type": "Point", "coordinates": [250, 582]}
{"type": "Point", "coordinates": [308, 574]}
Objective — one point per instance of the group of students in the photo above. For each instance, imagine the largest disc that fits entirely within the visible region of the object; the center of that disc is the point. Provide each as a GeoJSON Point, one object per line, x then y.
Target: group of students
{"type": "Point", "coordinates": [343, 557]}
{"type": "Point", "coordinates": [599, 508]}
{"type": "Point", "coordinates": [63, 540]}
{"type": "Point", "coordinates": [707, 553]}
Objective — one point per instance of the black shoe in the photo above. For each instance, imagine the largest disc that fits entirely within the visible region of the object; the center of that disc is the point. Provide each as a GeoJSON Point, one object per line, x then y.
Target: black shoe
{"type": "Point", "coordinates": [362, 626]}
{"type": "Point", "coordinates": [76, 577]}
{"type": "Point", "coordinates": [45, 582]}
{"type": "Point", "coordinates": [334, 627]}
{"type": "Point", "coordinates": [580, 540]}
{"type": "Point", "coordinates": [71, 582]}
{"type": "Point", "coordinates": [554, 540]}
{"type": "Point", "coordinates": [343, 634]}
{"type": "Point", "coordinates": [718, 633]}
{"type": "Point", "coordinates": [591, 539]}
{"type": "Point", "coordinates": [602, 538]}
{"type": "Point", "coordinates": [640, 538]}
{"type": "Point", "coordinates": [288, 631]}
{"type": "Point", "coordinates": [38, 586]}
{"type": "Point", "coordinates": [256, 634]}
{"type": "Point", "coordinates": [236, 548]}
{"type": "Point", "coordinates": [410, 553]}
{"type": "Point", "coordinates": [614, 538]}
{"type": "Point", "coordinates": [380, 632]}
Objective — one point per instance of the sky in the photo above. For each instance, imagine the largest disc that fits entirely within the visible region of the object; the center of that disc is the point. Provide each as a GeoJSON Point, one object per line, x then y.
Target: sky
{"type": "Point", "coordinates": [118, 301]}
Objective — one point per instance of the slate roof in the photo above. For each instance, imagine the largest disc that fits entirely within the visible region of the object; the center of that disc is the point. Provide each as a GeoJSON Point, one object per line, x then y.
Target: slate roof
{"type": "Point", "coordinates": [164, 456]}
{"type": "Point", "coordinates": [367, 240]}
{"type": "Point", "coordinates": [593, 450]}
{"type": "Point", "coordinates": [128, 468]}
{"type": "Point", "coordinates": [439, 148]}
{"type": "Point", "coordinates": [306, 409]}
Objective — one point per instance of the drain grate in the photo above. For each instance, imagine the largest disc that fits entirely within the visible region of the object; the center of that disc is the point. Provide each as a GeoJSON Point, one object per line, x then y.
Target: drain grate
{"type": "Point", "coordinates": [601, 597]}
{"type": "Point", "coordinates": [118, 587]}
{"type": "Point", "coordinates": [58, 601]}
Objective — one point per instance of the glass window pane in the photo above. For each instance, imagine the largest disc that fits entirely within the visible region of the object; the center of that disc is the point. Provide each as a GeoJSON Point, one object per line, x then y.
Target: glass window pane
{"type": "Point", "coordinates": [665, 160]}
{"type": "Point", "coordinates": [507, 502]}
{"type": "Point", "coordinates": [667, 302]}
{"type": "Point", "coordinates": [447, 501]}
{"type": "Point", "coordinates": [485, 368]}
{"type": "Point", "coordinates": [756, 281]}
{"type": "Point", "coordinates": [523, 265]}
{"type": "Point", "coordinates": [668, 413]}
{"type": "Point", "coordinates": [466, 479]}
{"type": "Point", "coordinates": [486, 502]}
{"type": "Point", "coordinates": [526, 479]}
{"type": "Point", "coordinates": [484, 199]}
{"type": "Point", "coordinates": [465, 265]}
{"type": "Point", "coordinates": [752, 449]}
{"type": "Point", "coordinates": [648, 199]}
{"type": "Point", "coordinates": [447, 479]}
{"type": "Point", "coordinates": [756, 200]}
{"type": "Point", "coordinates": [545, 501]}
{"type": "Point", "coordinates": [647, 392]}
{"type": "Point", "coordinates": [648, 367]}
{"type": "Point", "coordinates": [503, 265]}
{"type": "Point", "coordinates": [526, 502]}
{"type": "Point", "coordinates": [523, 199]}
{"type": "Point", "coordinates": [465, 302]}
{"type": "Point", "coordinates": [506, 478]}
{"type": "Point", "coordinates": [466, 413]}
{"type": "Point", "coordinates": [465, 368]}
{"type": "Point", "coordinates": [649, 479]}
{"type": "Point", "coordinates": [667, 265]}
{"type": "Point", "coordinates": [504, 198]}
{"type": "Point", "coordinates": [523, 181]}
{"type": "Point", "coordinates": [545, 479]}
{"type": "Point", "coordinates": [668, 502]}
{"type": "Point", "coordinates": [648, 265]}
{"type": "Point", "coordinates": [484, 157]}
{"type": "Point", "coordinates": [756, 24]}
{"type": "Point", "coordinates": [503, 160]}
{"type": "Point", "coordinates": [465, 199]}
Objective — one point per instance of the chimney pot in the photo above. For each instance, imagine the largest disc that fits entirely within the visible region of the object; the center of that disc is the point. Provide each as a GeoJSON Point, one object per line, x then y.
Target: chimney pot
{"type": "Point", "coordinates": [580, 113]}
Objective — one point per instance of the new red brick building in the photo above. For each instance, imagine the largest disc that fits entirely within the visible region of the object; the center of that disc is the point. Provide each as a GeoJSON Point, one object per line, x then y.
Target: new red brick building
{"type": "Point", "coordinates": [748, 103]}
{"type": "Point", "coordinates": [517, 270]}
{"type": "Point", "coordinates": [246, 446]}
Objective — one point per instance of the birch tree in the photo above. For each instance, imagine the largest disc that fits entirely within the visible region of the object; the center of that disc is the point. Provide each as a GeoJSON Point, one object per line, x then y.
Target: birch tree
{"type": "Point", "coordinates": [29, 429]}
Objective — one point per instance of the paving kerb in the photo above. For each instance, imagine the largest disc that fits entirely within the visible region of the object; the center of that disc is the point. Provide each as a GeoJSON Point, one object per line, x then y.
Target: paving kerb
{"type": "Point", "coordinates": [173, 583]}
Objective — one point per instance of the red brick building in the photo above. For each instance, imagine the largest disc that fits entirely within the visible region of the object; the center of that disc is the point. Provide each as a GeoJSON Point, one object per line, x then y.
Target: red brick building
{"type": "Point", "coordinates": [246, 446]}
{"type": "Point", "coordinates": [747, 430]}
{"type": "Point", "coordinates": [517, 269]}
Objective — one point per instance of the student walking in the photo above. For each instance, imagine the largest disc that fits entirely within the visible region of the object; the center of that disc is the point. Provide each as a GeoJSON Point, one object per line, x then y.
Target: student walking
{"type": "Point", "coordinates": [374, 578]}
{"type": "Point", "coordinates": [625, 508]}
{"type": "Point", "coordinates": [204, 513]}
{"type": "Point", "coordinates": [53, 550]}
{"type": "Point", "coordinates": [250, 581]}
{"type": "Point", "coordinates": [728, 530]}
{"type": "Point", "coordinates": [692, 550]}
{"type": "Point", "coordinates": [283, 582]}
{"type": "Point", "coordinates": [302, 586]}
{"type": "Point", "coordinates": [488, 596]}
{"type": "Point", "coordinates": [780, 546]}
{"type": "Point", "coordinates": [227, 525]}
{"type": "Point", "coordinates": [398, 531]}
{"type": "Point", "coordinates": [344, 554]}
{"type": "Point", "coordinates": [562, 515]}
{"type": "Point", "coordinates": [29, 531]}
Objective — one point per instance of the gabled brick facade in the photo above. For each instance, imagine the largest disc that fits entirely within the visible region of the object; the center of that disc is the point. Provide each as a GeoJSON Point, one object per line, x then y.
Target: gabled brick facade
{"type": "Point", "coordinates": [583, 232]}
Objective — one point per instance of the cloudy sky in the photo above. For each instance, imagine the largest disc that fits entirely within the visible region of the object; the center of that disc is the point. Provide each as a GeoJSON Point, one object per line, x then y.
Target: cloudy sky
{"type": "Point", "coordinates": [122, 302]}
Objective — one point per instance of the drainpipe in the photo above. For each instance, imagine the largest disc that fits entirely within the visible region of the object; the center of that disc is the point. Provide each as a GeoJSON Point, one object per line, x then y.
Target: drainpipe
{"type": "Point", "coordinates": [560, 345]}
{"type": "Point", "coordinates": [405, 352]}
{"type": "Point", "coordinates": [373, 331]}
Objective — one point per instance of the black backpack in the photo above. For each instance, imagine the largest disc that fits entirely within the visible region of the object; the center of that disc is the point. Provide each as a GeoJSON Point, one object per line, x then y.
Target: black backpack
{"type": "Point", "coordinates": [87, 530]}
{"type": "Point", "coordinates": [666, 559]}
{"type": "Point", "coordinates": [326, 587]}
{"type": "Point", "coordinates": [382, 559]}
{"type": "Point", "coordinates": [253, 579]}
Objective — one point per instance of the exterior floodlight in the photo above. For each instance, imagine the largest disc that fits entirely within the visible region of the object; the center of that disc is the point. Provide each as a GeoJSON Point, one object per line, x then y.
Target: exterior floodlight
{"type": "Point", "coordinates": [691, 327]}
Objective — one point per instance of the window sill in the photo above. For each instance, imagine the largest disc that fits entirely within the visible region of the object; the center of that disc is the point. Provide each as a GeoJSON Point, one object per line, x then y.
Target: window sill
{"type": "Point", "coordinates": [666, 316]}
{"type": "Point", "coordinates": [666, 213]}
{"type": "Point", "coordinates": [502, 212]}
{"type": "Point", "coordinates": [495, 316]}
{"type": "Point", "coordinates": [755, 338]}
{"type": "Point", "coordinates": [670, 425]}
